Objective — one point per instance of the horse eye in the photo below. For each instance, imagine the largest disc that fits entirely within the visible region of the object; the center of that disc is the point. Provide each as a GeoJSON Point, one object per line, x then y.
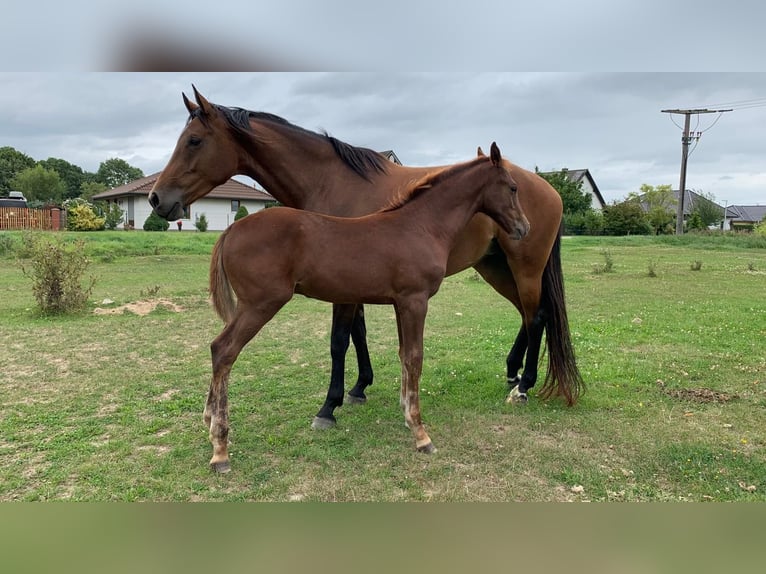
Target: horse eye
{"type": "Point", "coordinates": [194, 141]}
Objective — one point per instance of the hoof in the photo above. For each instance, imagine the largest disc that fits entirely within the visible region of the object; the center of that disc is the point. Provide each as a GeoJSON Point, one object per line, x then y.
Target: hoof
{"type": "Point", "coordinates": [516, 397]}
{"type": "Point", "coordinates": [427, 448]}
{"type": "Point", "coordinates": [221, 467]}
{"type": "Point", "coordinates": [353, 400]}
{"type": "Point", "coordinates": [320, 423]}
{"type": "Point", "coordinates": [513, 381]}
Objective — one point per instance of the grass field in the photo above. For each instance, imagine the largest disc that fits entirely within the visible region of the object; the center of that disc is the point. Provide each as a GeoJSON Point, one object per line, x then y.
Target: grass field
{"type": "Point", "coordinates": [107, 407]}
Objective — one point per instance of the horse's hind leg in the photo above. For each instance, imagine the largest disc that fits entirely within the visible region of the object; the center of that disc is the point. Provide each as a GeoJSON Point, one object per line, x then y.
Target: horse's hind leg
{"type": "Point", "coordinates": [224, 351]}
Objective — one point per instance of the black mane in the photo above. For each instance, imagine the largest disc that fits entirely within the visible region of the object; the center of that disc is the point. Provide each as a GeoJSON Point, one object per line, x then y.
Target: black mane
{"type": "Point", "coordinates": [362, 161]}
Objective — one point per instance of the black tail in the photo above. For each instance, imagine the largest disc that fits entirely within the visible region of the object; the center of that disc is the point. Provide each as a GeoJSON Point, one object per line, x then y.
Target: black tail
{"type": "Point", "coordinates": [563, 377]}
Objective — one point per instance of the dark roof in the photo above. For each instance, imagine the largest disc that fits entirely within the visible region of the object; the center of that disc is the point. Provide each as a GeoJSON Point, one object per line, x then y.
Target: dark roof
{"type": "Point", "coordinates": [391, 156]}
{"type": "Point", "coordinates": [576, 175]}
{"type": "Point", "coordinates": [232, 189]}
{"type": "Point", "coordinates": [748, 213]}
{"type": "Point", "coordinates": [691, 198]}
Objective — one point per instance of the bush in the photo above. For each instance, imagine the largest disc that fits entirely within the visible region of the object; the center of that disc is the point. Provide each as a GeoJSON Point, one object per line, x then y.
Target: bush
{"type": "Point", "coordinates": [241, 212]}
{"type": "Point", "coordinates": [7, 244]}
{"type": "Point", "coordinates": [81, 216]}
{"type": "Point", "coordinates": [113, 215]}
{"type": "Point", "coordinates": [201, 223]}
{"type": "Point", "coordinates": [626, 218]}
{"type": "Point", "coordinates": [590, 222]}
{"type": "Point", "coordinates": [56, 269]}
{"type": "Point", "coordinates": [155, 223]}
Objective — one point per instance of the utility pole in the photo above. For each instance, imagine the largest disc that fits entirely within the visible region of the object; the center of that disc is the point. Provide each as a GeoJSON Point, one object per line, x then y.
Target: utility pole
{"type": "Point", "coordinates": [685, 140]}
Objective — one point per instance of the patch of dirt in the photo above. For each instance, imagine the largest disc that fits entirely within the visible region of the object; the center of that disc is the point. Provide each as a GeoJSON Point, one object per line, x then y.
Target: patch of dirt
{"type": "Point", "coordinates": [700, 395]}
{"type": "Point", "coordinates": [140, 307]}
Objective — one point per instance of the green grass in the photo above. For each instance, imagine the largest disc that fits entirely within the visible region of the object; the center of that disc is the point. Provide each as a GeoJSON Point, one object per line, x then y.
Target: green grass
{"type": "Point", "coordinates": [109, 407]}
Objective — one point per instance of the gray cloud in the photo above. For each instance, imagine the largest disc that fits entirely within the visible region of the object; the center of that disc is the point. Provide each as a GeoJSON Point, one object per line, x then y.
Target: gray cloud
{"type": "Point", "coordinates": [609, 123]}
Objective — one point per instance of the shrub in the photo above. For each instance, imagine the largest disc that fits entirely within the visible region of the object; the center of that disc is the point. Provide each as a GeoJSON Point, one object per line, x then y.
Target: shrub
{"type": "Point", "coordinates": [155, 223]}
{"type": "Point", "coordinates": [113, 215]}
{"type": "Point", "coordinates": [81, 216]}
{"type": "Point", "coordinates": [626, 218]}
{"type": "Point", "coordinates": [57, 269]}
{"type": "Point", "coordinates": [241, 212]}
{"type": "Point", "coordinates": [7, 244]}
{"type": "Point", "coordinates": [201, 223]}
{"type": "Point", "coordinates": [652, 268]}
{"type": "Point", "coordinates": [607, 266]}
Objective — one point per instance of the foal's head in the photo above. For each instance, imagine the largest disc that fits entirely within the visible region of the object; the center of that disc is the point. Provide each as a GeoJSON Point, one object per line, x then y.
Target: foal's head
{"type": "Point", "coordinates": [499, 199]}
{"type": "Point", "coordinates": [205, 157]}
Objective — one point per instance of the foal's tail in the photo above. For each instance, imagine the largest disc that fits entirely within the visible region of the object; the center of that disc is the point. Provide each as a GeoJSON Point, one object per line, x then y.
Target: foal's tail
{"type": "Point", "coordinates": [221, 293]}
{"type": "Point", "coordinates": [563, 377]}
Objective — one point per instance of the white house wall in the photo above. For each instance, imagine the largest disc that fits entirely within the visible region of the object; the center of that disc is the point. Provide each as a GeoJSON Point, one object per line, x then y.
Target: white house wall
{"type": "Point", "coordinates": [588, 188]}
{"type": "Point", "coordinates": [218, 213]}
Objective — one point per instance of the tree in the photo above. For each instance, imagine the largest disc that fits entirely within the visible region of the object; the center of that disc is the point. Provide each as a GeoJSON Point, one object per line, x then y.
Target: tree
{"type": "Point", "coordinates": [660, 205]}
{"type": "Point", "coordinates": [12, 163]}
{"type": "Point", "coordinates": [575, 200]}
{"type": "Point", "coordinates": [39, 184]}
{"type": "Point", "coordinates": [626, 218]}
{"type": "Point", "coordinates": [115, 172]}
{"type": "Point", "coordinates": [708, 211]}
{"type": "Point", "coordinates": [72, 175]}
{"type": "Point", "coordinates": [90, 188]}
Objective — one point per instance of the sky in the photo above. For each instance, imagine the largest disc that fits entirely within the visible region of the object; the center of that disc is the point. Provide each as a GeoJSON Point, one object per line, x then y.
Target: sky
{"type": "Point", "coordinates": [610, 123]}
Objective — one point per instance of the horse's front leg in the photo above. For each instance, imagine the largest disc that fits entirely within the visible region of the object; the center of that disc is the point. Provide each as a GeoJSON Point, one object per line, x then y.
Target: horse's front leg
{"type": "Point", "coordinates": [411, 315]}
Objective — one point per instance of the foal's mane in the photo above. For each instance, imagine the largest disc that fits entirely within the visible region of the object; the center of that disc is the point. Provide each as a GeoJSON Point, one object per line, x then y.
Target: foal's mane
{"type": "Point", "coordinates": [362, 161]}
{"type": "Point", "coordinates": [429, 180]}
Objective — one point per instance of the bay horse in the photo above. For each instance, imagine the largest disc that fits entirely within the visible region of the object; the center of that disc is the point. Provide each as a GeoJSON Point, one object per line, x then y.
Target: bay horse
{"type": "Point", "coordinates": [319, 173]}
{"type": "Point", "coordinates": [395, 256]}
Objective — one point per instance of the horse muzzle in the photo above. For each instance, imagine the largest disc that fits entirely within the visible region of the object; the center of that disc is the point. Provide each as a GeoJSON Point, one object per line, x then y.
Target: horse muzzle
{"type": "Point", "coordinates": [167, 210]}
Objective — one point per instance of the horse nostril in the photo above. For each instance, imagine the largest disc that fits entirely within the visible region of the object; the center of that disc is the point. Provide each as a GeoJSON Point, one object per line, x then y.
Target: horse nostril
{"type": "Point", "coordinates": [153, 200]}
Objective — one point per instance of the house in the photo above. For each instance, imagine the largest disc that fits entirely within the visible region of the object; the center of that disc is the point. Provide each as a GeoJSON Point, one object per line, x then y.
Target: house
{"type": "Point", "coordinates": [692, 202]}
{"type": "Point", "coordinates": [588, 185]}
{"type": "Point", "coordinates": [219, 206]}
{"type": "Point", "coordinates": [743, 216]}
{"type": "Point", "coordinates": [390, 156]}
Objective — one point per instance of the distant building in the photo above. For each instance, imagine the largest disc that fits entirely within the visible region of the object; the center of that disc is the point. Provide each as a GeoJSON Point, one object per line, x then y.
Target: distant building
{"type": "Point", "coordinates": [391, 156]}
{"type": "Point", "coordinates": [588, 185]}
{"type": "Point", "coordinates": [219, 206]}
{"type": "Point", "coordinates": [743, 216]}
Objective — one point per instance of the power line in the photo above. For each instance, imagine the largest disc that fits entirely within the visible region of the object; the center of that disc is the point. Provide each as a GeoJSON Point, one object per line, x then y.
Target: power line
{"type": "Point", "coordinates": [685, 139]}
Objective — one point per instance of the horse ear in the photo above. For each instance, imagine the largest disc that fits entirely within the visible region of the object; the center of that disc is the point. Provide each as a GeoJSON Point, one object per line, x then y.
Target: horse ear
{"type": "Point", "coordinates": [494, 154]}
{"type": "Point", "coordinates": [189, 104]}
{"type": "Point", "coordinates": [204, 105]}
{"type": "Point", "coordinates": [480, 152]}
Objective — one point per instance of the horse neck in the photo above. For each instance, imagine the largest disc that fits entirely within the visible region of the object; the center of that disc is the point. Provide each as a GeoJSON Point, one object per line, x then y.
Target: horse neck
{"type": "Point", "coordinates": [299, 169]}
{"type": "Point", "coordinates": [446, 209]}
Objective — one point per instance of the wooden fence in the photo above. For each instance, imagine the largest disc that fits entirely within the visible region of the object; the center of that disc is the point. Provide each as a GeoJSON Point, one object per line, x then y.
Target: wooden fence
{"type": "Point", "coordinates": [27, 218]}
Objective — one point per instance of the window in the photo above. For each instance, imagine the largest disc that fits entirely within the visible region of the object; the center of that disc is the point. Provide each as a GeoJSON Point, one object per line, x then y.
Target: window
{"type": "Point", "coordinates": [187, 212]}
{"type": "Point", "coordinates": [234, 205]}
